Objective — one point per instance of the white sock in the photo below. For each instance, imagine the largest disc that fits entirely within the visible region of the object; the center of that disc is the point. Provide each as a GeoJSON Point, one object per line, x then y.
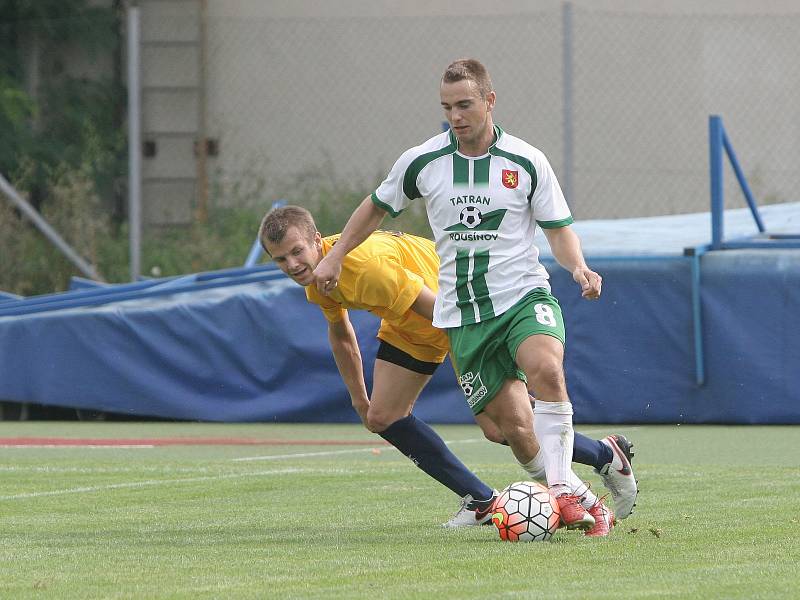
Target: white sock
{"type": "Point", "coordinates": [553, 428]}
{"type": "Point", "coordinates": [535, 468]}
{"type": "Point", "coordinates": [581, 489]}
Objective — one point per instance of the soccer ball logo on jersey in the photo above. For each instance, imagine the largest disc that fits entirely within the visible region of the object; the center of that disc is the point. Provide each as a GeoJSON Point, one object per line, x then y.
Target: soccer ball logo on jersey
{"type": "Point", "coordinates": [473, 388]}
{"type": "Point", "coordinates": [472, 220]}
{"type": "Point", "coordinates": [470, 217]}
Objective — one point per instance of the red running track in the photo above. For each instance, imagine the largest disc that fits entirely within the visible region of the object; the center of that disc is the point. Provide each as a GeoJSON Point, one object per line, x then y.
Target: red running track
{"type": "Point", "coordinates": [178, 441]}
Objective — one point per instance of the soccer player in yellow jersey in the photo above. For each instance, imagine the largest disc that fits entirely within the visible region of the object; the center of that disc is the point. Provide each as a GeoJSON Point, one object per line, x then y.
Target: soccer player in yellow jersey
{"type": "Point", "coordinates": [394, 275]}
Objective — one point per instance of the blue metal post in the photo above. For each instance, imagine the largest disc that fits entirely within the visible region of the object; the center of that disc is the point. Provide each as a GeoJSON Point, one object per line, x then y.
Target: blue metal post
{"type": "Point", "coordinates": [699, 358]}
{"type": "Point", "coordinates": [748, 195]}
{"type": "Point", "coordinates": [715, 135]}
{"type": "Point", "coordinates": [255, 253]}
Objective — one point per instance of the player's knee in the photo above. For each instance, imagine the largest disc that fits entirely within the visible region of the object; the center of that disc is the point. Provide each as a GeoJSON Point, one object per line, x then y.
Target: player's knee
{"type": "Point", "coordinates": [492, 433]}
{"type": "Point", "coordinates": [496, 437]}
{"type": "Point", "coordinates": [546, 376]}
{"type": "Point", "coordinates": [516, 433]}
{"type": "Point", "coordinates": [377, 422]}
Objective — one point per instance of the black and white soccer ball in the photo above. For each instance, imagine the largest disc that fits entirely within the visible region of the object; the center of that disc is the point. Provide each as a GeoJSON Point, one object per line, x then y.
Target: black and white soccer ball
{"type": "Point", "coordinates": [470, 217]}
{"type": "Point", "coordinates": [526, 511]}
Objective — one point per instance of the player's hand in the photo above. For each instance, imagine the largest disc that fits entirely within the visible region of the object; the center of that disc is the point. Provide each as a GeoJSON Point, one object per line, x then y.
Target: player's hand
{"type": "Point", "coordinates": [326, 275]}
{"type": "Point", "coordinates": [591, 283]}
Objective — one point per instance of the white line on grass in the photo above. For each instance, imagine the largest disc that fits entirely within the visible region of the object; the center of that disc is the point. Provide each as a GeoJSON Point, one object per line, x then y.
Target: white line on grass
{"type": "Point", "coordinates": [150, 483]}
{"type": "Point", "coordinates": [334, 452]}
{"type": "Point", "coordinates": [304, 454]}
{"type": "Point", "coordinates": [157, 482]}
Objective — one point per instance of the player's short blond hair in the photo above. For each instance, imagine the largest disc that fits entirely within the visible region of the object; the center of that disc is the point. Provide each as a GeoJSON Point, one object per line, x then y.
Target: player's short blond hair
{"type": "Point", "coordinates": [471, 70]}
{"type": "Point", "coordinates": [276, 223]}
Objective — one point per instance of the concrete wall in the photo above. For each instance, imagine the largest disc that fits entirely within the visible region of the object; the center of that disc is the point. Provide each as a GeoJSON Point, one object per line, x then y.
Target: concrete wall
{"type": "Point", "coordinates": [292, 86]}
{"type": "Point", "coordinates": [171, 108]}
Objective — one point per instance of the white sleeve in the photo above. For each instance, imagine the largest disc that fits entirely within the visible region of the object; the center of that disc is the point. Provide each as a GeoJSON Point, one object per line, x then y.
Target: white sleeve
{"type": "Point", "coordinates": [548, 206]}
{"type": "Point", "coordinates": [391, 194]}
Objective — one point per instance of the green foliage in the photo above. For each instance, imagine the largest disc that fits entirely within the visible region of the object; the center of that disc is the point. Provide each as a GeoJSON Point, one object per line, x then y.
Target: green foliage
{"type": "Point", "coordinates": [66, 118]}
{"type": "Point", "coordinates": [223, 242]}
{"type": "Point", "coordinates": [31, 265]}
{"type": "Point", "coordinates": [16, 107]}
{"type": "Point", "coordinates": [328, 194]}
{"type": "Point", "coordinates": [349, 521]}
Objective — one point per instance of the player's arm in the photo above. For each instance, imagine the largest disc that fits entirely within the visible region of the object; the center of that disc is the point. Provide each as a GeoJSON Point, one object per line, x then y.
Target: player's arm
{"type": "Point", "coordinates": [364, 220]}
{"type": "Point", "coordinates": [566, 247]}
{"type": "Point", "coordinates": [346, 353]}
{"type": "Point", "coordinates": [423, 305]}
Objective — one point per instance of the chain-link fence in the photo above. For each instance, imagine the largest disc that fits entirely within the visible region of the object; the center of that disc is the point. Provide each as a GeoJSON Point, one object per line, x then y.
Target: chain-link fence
{"type": "Point", "coordinates": [644, 87]}
{"type": "Point", "coordinates": [617, 98]}
{"type": "Point", "coordinates": [306, 100]}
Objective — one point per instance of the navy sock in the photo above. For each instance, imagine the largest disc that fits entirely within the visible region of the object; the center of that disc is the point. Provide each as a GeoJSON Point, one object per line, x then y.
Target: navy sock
{"type": "Point", "coordinates": [427, 450]}
{"type": "Point", "coordinates": [587, 451]}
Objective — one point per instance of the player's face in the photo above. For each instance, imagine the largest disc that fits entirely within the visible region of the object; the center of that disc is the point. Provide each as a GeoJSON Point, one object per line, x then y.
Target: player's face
{"type": "Point", "coordinates": [468, 114]}
{"type": "Point", "coordinates": [296, 255]}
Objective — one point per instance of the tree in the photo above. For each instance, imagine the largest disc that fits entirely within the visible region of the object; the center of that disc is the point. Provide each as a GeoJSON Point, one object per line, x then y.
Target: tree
{"type": "Point", "coordinates": [51, 114]}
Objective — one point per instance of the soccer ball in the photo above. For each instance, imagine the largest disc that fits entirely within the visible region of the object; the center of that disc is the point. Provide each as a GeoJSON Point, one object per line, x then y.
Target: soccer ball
{"type": "Point", "coordinates": [526, 511]}
{"type": "Point", "coordinates": [470, 217]}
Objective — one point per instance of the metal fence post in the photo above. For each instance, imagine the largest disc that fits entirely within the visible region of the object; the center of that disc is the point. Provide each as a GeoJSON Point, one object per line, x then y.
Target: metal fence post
{"type": "Point", "coordinates": [567, 41]}
{"type": "Point", "coordinates": [715, 167]}
{"type": "Point", "coordinates": [134, 142]}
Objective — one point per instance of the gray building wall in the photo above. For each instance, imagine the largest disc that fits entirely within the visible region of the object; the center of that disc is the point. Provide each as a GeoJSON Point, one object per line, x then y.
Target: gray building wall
{"type": "Point", "coordinates": [172, 92]}
{"type": "Point", "coordinates": [297, 90]}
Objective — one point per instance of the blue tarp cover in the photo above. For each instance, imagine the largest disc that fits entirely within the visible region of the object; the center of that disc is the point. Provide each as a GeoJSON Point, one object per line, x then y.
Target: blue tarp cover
{"type": "Point", "coordinates": [259, 352]}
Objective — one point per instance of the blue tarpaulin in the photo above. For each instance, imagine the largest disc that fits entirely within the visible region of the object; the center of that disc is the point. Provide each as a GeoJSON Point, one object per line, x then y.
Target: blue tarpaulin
{"type": "Point", "coordinates": [258, 352]}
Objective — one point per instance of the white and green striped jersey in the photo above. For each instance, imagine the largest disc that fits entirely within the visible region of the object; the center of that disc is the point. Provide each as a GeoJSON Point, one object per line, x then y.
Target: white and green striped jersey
{"type": "Point", "coordinates": [483, 211]}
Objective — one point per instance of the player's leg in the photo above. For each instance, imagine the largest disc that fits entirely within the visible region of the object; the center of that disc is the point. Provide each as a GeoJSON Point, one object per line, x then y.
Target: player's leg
{"type": "Point", "coordinates": [396, 388]}
{"type": "Point", "coordinates": [535, 337]}
{"type": "Point", "coordinates": [490, 429]}
{"type": "Point", "coordinates": [493, 384]}
{"type": "Point", "coordinates": [495, 390]}
{"type": "Point", "coordinates": [618, 476]}
{"type": "Point", "coordinates": [541, 359]}
{"type": "Point", "coordinates": [499, 417]}
{"type": "Point", "coordinates": [611, 458]}
{"type": "Point", "coordinates": [509, 411]}
{"type": "Point", "coordinates": [586, 451]}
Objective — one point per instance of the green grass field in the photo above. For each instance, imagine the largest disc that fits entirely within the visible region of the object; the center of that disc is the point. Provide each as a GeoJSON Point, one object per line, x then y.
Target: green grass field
{"type": "Point", "coordinates": [717, 518]}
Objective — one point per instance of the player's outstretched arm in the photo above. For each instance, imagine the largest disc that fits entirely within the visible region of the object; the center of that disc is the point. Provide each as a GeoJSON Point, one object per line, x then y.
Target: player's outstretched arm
{"type": "Point", "coordinates": [364, 220]}
{"type": "Point", "coordinates": [347, 354]}
{"type": "Point", "coordinates": [566, 247]}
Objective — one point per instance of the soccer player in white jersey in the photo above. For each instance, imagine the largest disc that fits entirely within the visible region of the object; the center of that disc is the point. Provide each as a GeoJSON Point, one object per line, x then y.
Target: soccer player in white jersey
{"type": "Point", "coordinates": [485, 192]}
{"type": "Point", "coordinates": [394, 276]}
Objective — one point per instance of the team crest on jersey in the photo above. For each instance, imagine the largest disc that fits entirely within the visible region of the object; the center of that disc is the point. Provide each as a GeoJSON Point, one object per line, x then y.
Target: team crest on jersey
{"type": "Point", "coordinates": [473, 388]}
{"type": "Point", "coordinates": [510, 179]}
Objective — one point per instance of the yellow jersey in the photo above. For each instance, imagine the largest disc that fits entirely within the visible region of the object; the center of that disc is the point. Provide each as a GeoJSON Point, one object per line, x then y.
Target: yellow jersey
{"type": "Point", "coordinates": [384, 275]}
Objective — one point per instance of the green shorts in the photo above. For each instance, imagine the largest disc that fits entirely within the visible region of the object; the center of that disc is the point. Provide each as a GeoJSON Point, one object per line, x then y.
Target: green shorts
{"type": "Point", "coordinates": [483, 353]}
